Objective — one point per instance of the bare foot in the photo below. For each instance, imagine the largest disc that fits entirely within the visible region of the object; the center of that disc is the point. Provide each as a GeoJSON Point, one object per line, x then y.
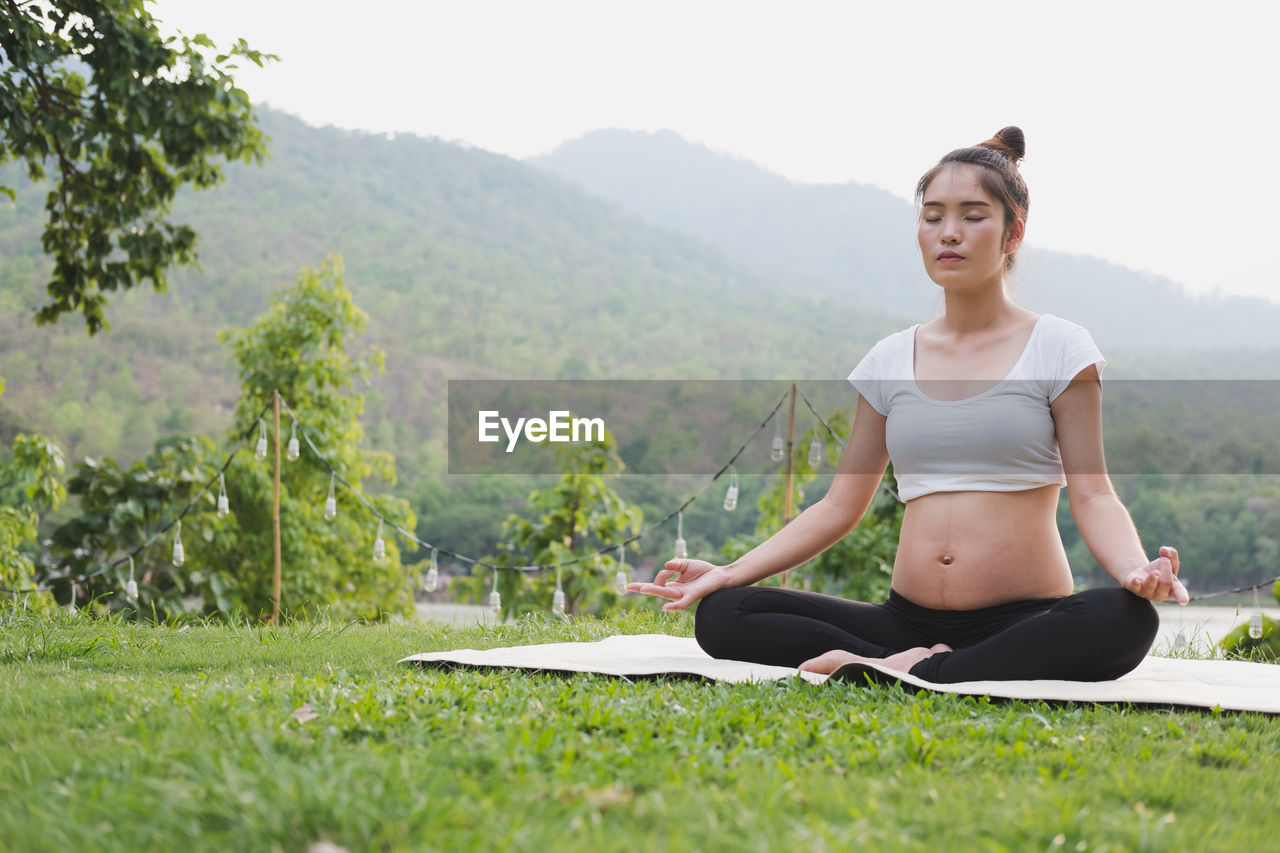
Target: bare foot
{"type": "Point", "coordinates": [901, 662]}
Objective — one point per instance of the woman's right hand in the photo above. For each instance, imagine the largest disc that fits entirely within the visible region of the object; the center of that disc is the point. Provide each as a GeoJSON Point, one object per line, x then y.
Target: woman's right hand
{"type": "Point", "coordinates": [697, 579]}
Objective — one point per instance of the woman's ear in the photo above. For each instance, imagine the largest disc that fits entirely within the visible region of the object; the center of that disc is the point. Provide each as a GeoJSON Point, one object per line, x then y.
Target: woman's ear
{"type": "Point", "coordinates": [1014, 238]}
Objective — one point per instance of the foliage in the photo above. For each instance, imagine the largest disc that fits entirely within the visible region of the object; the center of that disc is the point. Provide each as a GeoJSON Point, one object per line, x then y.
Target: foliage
{"type": "Point", "coordinates": [303, 346]}
{"type": "Point", "coordinates": [120, 509]}
{"type": "Point", "coordinates": [30, 482]}
{"type": "Point", "coordinates": [577, 516]}
{"type": "Point", "coordinates": [1238, 643]}
{"type": "Point", "coordinates": [124, 117]}
{"type": "Point", "coordinates": [860, 565]}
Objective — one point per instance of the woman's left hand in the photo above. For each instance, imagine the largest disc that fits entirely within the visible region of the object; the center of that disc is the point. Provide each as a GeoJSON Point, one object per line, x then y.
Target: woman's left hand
{"type": "Point", "coordinates": [1158, 580]}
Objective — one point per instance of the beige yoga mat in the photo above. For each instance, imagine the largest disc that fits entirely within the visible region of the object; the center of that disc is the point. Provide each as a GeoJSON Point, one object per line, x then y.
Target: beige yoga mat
{"type": "Point", "coordinates": [1230, 685]}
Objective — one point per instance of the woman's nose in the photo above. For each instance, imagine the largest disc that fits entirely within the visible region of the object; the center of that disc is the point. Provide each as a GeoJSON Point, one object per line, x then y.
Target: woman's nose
{"type": "Point", "coordinates": [950, 231]}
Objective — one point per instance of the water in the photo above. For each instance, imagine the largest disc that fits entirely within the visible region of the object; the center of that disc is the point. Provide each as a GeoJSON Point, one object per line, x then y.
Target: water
{"type": "Point", "coordinates": [1198, 629]}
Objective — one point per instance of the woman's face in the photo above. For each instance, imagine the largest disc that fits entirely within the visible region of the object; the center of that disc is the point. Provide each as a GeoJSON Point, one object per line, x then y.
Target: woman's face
{"type": "Point", "coordinates": [961, 230]}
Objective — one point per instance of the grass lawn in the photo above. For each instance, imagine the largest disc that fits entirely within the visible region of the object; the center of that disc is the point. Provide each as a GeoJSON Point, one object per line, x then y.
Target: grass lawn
{"type": "Point", "coordinates": [120, 736]}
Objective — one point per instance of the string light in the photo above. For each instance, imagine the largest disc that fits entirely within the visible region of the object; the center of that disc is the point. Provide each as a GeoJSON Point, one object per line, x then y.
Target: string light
{"type": "Point", "coordinates": [293, 450]}
{"type": "Point", "coordinates": [1255, 621]}
{"type": "Point", "coordinates": [179, 554]}
{"type": "Point", "coordinates": [731, 495]}
{"type": "Point", "coordinates": [379, 546]}
{"type": "Point", "coordinates": [621, 579]}
{"type": "Point", "coordinates": [224, 507]}
{"type": "Point", "coordinates": [779, 449]}
{"type": "Point", "coordinates": [260, 452]}
{"type": "Point", "coordinates": [131, 588]}
{"type": "Point", "coordinates": [682, 547]}
{"type": "Point", "coordinates": [495, 600]}
{"type": "Point", "coordinates": [557, 597]}
{"type": "Point", "coordinates": [432, 577]}
{"type": "Point", "coordinates": [331, 502]}
{"type": "Point", "coordinates": [815, 451]}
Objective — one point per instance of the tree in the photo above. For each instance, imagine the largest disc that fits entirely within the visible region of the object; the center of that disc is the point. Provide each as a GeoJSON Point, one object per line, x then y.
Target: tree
{"type": "Point", "coordinates": [121, 509]}
{"type": "Point", "coordinates": [860, 565]}
{"type": "Point", "coordinates": [577, 516]}
{"type": "Point", "coordinates": [122, 117]}
{"type": "Point", "coordinates": [303, 346]}
{"type": "Point", "coordinates": [29, 483]}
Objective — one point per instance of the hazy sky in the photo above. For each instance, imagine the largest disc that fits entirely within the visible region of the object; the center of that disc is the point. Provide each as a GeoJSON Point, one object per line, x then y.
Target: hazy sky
{"type": "Point", "coordinates": [1151, 127]}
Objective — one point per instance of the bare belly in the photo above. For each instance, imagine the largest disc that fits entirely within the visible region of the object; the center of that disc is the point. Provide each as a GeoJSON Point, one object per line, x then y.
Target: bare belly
{"type": "Point", "coordinates": [964, 550]}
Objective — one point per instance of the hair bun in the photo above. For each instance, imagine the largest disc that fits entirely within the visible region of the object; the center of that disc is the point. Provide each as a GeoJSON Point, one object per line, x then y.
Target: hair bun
{"type": "Point", "coordinates": [1009, 141]}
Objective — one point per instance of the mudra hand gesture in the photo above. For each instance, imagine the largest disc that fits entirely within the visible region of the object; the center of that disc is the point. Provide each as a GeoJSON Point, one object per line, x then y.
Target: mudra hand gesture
{"type": "Point", "coordinates": [696, 579]}
{"type": "Point", "coordinates": [1158, 580]}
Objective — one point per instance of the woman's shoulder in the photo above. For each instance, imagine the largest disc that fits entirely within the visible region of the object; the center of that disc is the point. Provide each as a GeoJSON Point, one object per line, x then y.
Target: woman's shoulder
{"type": "Point", "coordinates": [1060, 327]}
{"type": "Point", "coordinates": [897, 340]}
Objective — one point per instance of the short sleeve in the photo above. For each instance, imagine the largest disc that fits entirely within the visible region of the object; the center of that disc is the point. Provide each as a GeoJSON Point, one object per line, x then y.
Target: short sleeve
{"type": "Point", "coordinates": [1078, 352]}
{"type": "Point", "coordinates": [868, 378]}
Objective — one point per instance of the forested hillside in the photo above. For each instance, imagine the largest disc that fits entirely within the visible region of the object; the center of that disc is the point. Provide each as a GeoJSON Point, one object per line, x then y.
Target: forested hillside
{"type": "Point", "coordinates": [469, 264]}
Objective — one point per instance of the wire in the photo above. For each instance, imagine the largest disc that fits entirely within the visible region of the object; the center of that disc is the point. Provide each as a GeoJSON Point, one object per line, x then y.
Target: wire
{"type": "Point", "coordinates": [106, 567]}
{"type": "Point", "coordinates": [540, 566]}
{"type": "Point", "coordinates": [1230, 591]}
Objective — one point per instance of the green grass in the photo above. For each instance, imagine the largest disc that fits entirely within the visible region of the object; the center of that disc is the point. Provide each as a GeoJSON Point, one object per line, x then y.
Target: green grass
{"type": "Point", "coordinates": [120, 736]}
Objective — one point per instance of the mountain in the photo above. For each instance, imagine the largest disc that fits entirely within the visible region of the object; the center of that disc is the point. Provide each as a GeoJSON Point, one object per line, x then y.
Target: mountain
{"type": "Point", "coordinates": [469, 264]}
{"type": "Point", "coordinates": [856, 244]}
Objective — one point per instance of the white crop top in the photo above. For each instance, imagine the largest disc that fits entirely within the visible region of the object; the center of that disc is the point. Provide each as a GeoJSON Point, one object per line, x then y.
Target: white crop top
{"type": "Point", "coordinates": [1002, 440]}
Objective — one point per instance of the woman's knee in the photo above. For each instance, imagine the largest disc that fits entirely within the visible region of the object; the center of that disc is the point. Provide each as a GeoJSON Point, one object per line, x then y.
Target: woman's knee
{"type": "Point", "coordinates": [1129, 624]}
{"type": "Point", "coordinates": [716, 621]}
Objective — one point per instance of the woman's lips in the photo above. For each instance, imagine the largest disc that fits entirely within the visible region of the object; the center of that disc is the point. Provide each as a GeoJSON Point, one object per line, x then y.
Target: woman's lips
{"type": "Point", "coordinates": [949, 259]}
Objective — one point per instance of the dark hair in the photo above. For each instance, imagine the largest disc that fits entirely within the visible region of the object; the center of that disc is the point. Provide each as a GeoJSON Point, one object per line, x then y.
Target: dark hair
{"type": "Point", "coordinates": [999, 157]}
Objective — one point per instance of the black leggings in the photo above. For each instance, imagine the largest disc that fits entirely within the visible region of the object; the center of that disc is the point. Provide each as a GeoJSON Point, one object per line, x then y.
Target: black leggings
{"type": "Point", "coordinates": [1095, 635]}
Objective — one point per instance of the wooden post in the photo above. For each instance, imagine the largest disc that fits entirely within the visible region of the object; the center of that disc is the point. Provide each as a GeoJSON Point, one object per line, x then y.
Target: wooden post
{"type": "Point", "coordinates": [786, 495]}
{"type": "Point", "coordinates": [275, 513]}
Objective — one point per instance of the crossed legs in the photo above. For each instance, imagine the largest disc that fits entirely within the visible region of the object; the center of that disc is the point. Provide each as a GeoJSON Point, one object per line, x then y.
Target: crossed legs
{"type": "Point", "coordinates": [1095, 635]}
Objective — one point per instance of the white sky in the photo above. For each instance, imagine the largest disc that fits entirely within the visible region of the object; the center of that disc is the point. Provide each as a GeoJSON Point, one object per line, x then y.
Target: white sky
{"type": "Point", "coordinates": [1151, 127]}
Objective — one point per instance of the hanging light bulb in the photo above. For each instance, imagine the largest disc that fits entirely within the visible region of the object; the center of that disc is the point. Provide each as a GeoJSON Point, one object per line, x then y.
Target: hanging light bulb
{"type": "Point", "coordinates": [557, 597]}
{"type": "Point", "coordinates": [432, 578]}
{"type": "Point", "coordinates": [293, 450]}
{"type": "Point", "coordinates": [495, 600]}
{"type": "Point", "coordinates": [621, 578]}
{"type": "Point", "coordinates": [731, 496]}
{"type": "Point", "coordinates": [815, 454]}
{"type": "Point", "coordinates": [224, 506]}
{"type": "Point", "coordinates": [331, 503]}
{"type": "Point", "coordinates": [379, 546]}
{"type": "Point", "coordinates": [682, 547]}
{"type": "Point", "coordinates": [260, 452]}
{"type": "Point", "coordinates": [779, 449]}
{"type": "Point", "coordinates": [1255, 621]}
{"type": "Point", "coordinates": [179, 554]}
{"type": "Point", "coordinates": [131, 588]}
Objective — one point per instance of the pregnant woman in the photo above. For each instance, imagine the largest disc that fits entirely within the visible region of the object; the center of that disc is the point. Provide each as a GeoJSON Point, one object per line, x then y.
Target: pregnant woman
{"type": "Point", "coordinates": [987, 412]}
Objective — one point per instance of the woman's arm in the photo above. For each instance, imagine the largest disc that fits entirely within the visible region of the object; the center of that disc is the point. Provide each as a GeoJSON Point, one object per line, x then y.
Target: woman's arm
{"type": "Point", "coordinates": [813, 531]}
{"type": "Point", "coordinates": [826, 522]}
{"type": "Point", "coordinates": [1102, 519]}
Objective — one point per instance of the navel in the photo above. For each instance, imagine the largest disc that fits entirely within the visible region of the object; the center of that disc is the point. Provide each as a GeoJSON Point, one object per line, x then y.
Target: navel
{"type": "Point", "coordinates": [947, 559]}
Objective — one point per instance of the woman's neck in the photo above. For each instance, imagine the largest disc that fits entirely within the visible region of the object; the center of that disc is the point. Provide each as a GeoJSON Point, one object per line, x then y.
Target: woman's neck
{"type": "Point", "coordinates": [978, 311]}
